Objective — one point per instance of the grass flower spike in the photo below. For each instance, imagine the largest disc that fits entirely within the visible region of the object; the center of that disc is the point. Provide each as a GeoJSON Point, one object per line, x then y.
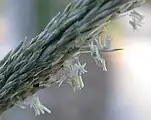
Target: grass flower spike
{"type": "Point", "coordinates": [51, 57]}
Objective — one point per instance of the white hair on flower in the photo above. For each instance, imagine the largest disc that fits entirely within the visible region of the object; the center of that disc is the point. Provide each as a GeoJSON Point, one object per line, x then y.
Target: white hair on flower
{"type": "Point", "coordinates": [74, 76]}
{"type": "Point", "coordinates": [33, 102]}
{"type": "Point", "coordinates": [136, 19]}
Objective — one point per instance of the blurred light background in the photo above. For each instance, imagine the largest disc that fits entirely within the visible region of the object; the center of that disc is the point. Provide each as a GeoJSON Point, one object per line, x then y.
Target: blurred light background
{"type": "Point", "coordinates": [121, 93]}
